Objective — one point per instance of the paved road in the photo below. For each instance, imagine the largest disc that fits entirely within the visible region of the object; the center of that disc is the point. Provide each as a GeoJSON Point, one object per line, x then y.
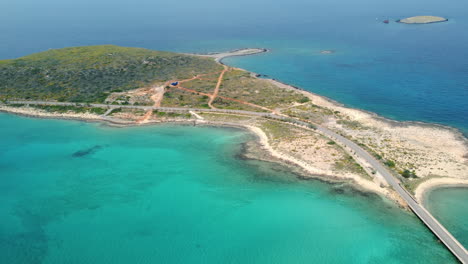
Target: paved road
{"type": "Point", "coordinates": [141, 107]}
{"type": "Point", "coordinates": [450, 242]}
{"type": "Point", "coordinates": [438, 229]}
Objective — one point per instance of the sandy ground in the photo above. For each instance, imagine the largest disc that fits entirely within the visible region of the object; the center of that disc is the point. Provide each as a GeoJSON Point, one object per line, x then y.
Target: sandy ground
{"type": "Point", "coordinates": [429, 150]}
{"type": "Point", "coordinates": [318, 168]}
{"type": "Point", "coordinates": [436, 152]}
{"type": "Point", "coordinates": [316, 161]}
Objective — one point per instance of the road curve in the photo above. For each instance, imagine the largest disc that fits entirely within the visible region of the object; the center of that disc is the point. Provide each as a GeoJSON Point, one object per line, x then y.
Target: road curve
{"type": "Point", "coordinates": [438, 229]}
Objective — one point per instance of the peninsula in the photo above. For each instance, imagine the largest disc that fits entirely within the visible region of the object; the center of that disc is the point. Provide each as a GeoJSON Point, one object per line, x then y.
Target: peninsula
{"type": "Point", "coordinates": [313, 135]}
{"type": "Point", "coordinates": [422, 20]}
{"type": "Point", "coordinates": [140, 86]}
{"type": "Point", "coordinates": [120, 84]}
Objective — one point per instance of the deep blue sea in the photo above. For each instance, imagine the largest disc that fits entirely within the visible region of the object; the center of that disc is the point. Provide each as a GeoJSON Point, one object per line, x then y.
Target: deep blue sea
{"type": "Point", "coordinates": [404, 72]}
{"type": "Point", "coordinates": [148, 195]}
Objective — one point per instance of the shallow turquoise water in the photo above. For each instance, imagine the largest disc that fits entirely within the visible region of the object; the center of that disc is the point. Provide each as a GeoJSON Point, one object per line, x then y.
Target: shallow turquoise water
{"type": "Point", "coordinates": [450, 206]}
{"type": "Point", "coordinates": [147, 195]}
{"type": "Point", "coordinates": [75, 192]}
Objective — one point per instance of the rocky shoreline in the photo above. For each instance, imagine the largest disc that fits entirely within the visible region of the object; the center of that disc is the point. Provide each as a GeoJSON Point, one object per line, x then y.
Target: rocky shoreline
{"type": "Point", "coordinates": [416, 135]}
{"type": "Point", "coordinates": [450, 134]}
{"type": "Point", "coordinates": [265, 153]}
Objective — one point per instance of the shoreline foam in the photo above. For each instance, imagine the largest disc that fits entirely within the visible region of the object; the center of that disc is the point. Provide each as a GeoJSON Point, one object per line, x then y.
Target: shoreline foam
{"type": "Point", "coordinates": [305, 171]}
{"type": "Point", "coordinates": [451, 134]}
{"type": "Point", "coordinates": [318, 99]}
{"type": "Point", "coordinates": [397, 123]}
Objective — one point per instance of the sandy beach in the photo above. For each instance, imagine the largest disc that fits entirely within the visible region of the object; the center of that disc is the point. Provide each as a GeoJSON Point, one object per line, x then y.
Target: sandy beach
{"type": "Point", "coordinates": [430, 149]}
{"type": "Point", "coordinates": [435, 152]}
{"type": "Point", "coordinates": [431, 184]}
{"type": "Point", "coordinates": [313, 167]}
{"type": "Point", "coordinates": [316, 171]}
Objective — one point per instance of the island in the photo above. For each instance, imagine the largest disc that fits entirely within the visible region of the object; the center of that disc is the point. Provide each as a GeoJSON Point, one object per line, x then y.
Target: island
{"type": "Point", "coordinates": [315, 136]}
{"type": "Point", "coordinates": [422, 20]}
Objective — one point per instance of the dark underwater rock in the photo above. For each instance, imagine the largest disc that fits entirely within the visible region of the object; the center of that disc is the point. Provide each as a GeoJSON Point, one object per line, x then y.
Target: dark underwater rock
{"type": "Point", "coordinates": [86, 152]}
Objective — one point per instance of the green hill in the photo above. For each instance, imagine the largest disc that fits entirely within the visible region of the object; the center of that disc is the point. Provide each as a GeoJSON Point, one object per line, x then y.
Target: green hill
{"type": "Point", "coordinates": [89, 74]}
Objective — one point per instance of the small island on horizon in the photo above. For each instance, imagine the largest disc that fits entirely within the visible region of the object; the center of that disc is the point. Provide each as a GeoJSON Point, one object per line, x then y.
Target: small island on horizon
{"type": "Point", "coordinates": [422, 20]}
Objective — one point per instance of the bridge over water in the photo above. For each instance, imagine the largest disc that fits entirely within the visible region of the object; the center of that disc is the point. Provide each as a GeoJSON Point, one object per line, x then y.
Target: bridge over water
{"type": "Point", "coordinates": [425, 216]}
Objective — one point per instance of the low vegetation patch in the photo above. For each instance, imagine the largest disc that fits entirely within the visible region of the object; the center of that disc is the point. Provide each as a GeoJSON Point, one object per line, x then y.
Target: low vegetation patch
{"type": "Point", "coordinates": [240, 85]}
{"type": "Point", "coordinates": [309, 111]}
{"type": "Point", "coordinates": [408, 174]}
{"type": "Point", "coordinates": [174, 97]}
{"type": "Point", "coordinates": [228, 104]}
{"type": "Point", "coordinates": [16, 105]}
{"type": "Point", "coordinates": [225, 117]}
{"type": "Point", "coordinates": [349, 164]}
{"type": "Point", "coordinates": [277, 129]}
{"type": "Point", "coordinates": [201, 85]}
{"type": "Point", "coordinates": [171, 114]}
{"type": "Point", "coordinates": [115, 111]}
{"type": "Point", "coordinates": [67, 109]}
{"type": "Point", "coordinates": [390, 163]}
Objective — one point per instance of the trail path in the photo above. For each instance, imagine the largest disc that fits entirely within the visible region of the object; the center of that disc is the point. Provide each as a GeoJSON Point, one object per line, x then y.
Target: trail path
{"type": "Point", "coordinates": [196, 115]}
{"type": "Point", "coordinates": [145, 118]}
{"type": "Point", "coordinates": [157, 98]}
{"type": "Point", "coordinates": [159, 91]}
{"type": "Point", "coordinates": [218, 84]}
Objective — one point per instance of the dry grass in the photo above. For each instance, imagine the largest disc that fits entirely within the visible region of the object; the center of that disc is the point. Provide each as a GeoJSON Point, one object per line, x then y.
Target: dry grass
{"type": "Point", "coordinates": [240, 85]}
{"type": "Point", "coordinates": [312, 148]}
{"type": "Point", "coordinates": [180, 98]}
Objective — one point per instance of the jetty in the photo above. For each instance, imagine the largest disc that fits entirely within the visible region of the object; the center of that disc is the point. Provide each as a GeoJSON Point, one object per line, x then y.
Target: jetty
{"type": "Point", "coordinates": [219, 56]}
